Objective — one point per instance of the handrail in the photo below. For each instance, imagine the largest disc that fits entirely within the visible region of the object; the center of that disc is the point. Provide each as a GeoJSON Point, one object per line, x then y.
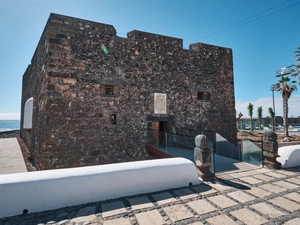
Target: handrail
{"type": "Point", "coordinates": [195, 131]}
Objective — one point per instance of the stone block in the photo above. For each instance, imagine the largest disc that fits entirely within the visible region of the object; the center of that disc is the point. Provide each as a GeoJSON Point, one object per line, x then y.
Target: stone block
{"type": "Point", "coordinates": [69, 81]}
{"type": "Point", "coordinates": [270, 136]}
{"type": "Point", "coordinates": [270, 156]}
{"type": "Point", "coordinates": [51, 87]}
{"type": "Point", "coordinates": [202, 157]}
{"type": "Point", "coordinates": [51, 141]}
{"type": "Point", "coordinates": [271, 164]}
{"type": "Point", "coordinates": [270, 146]}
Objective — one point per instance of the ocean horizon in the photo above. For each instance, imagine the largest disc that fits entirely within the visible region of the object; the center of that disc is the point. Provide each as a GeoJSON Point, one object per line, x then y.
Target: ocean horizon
{"type": "Point", "coordinates": [7, 125]}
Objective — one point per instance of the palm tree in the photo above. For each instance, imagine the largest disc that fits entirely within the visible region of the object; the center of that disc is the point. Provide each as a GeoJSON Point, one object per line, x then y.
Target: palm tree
{"type": "Point", "coordinates": [285, 87]}
{"type": "Point", "coordinates": [259, 114]}
{"type": "Point", "coordinates": [272, 115]}
{"type": "Point", "coordinates": [250, 112]}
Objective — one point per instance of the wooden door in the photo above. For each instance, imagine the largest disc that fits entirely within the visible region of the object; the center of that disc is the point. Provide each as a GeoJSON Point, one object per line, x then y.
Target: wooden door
{"type": "Point", "coordinates": [155, 133]}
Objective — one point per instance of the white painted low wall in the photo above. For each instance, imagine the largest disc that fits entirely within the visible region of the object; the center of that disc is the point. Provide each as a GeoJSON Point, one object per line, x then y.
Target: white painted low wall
{"type": "Point", "coordinates": [289, 156]}
{"type": "Point", "coordinates": [51, 189]}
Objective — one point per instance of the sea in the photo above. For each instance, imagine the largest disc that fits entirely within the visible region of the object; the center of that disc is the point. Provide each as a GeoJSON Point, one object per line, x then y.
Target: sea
{"type": "Point", "coordinates": [7, 125]}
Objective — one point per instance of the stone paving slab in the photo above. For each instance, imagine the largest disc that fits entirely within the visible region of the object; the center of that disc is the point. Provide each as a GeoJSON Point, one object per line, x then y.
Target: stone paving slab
{"type": "Point", "coordinates": [263, 177]}
{"type": "Point", "coordinates": [254, 172]}
{"type": "Point", "coordinates": [273, 201]}
{"type": "Point", "coordinates": [163, 198]}
{"type": "Point", "coordinates": [293, 196]}
{"type": "Point", "coordinates": [261, 193]}
{"type": "Point", "coordinates": [285, 184]}
{"type": "Point", "coordinates": [197, 223]}
{"type": "Point", "coordinates": [185, 194]}
{"type": "Point", "coordinates": [140, 202]}
{"type": "Point", "coordinates": [273, 188]}
{"type": "Point", "coordinates": [113, 208]}
{"type": "Point", "coordinates": [268, 210]}
{"type": "Point", "coordinates": [251, 180]}
{"type": "Point", "coordinates": [285, 203]}
{"type": "Point", "coordinates": [241, 196]}
{"type": "Point", "coordinates": [219, 186]}
{"type": "Point", "coordinates": [294, 180]}
{"type": "Point", "coordinates": [177, 212]}
{"type": "Point", "coordinates": [204, 190]}
{"type": "Point", "coordinates": [237, 183]}
{"type": "Point", "coordinates": [222, 201]}
{"type": "Point", "coordinates": [276, 175]}
{"type": "Point", "coordinates": [221, 219]}
{"type": "Point", "coordinates": [85, 214]}
{"type": "Point", "coordinates": [150, 218]}
{"type": "Point", "coordinates": [238, 175]}
{"type": "Point", "coordinates": [248, 217]}
{"type": "Point", "coordinates": [201, 206]}
{"type": "Point", "coordinates": [295, 221]}
{"type": "Point", "coordinates": [285, 172]}
{"type": "Point", "coordinates": [118, 221]}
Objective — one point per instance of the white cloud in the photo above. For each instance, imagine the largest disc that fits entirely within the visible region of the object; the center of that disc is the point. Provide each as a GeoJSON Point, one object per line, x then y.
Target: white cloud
{"type": "Point", "coordinates": [266, 103]}
{"type": "Point", "coordinates": [9, 116]}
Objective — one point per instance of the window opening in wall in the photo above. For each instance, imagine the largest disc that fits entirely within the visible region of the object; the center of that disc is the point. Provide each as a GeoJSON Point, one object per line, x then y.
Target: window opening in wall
{"type": "Point", "coordinates": [28, 111]}
{"type": "Point", "coordinates": [113, 119]}
{"type": "Point", "coordinates": [203, 95]}
{"type": "Point", "coordinates": [109, 90]}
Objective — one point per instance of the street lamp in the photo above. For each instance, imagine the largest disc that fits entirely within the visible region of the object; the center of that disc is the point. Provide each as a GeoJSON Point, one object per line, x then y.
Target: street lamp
{"type": "Point", "coordinates": [273, 88]}
{"type": "Point", "coordinates": [285, 71]}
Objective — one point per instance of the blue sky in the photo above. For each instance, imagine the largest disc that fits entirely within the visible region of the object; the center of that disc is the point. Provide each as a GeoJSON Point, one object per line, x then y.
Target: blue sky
{"type": "Point", "coordinates": [263, 35]}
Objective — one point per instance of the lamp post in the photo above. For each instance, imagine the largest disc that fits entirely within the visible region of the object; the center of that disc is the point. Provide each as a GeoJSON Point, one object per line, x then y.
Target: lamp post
{"type": "Point", "coordinates": [285, 71]}
{"type": "Point", "coordinates": [273, 88]}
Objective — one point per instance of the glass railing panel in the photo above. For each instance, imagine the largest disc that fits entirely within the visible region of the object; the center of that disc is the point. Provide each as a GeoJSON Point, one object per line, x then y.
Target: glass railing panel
{"type": "Point", "coordinates": [251, 153]}
{"type": "Point", "coordinates": [226, 148]}
{"type": "Point", "coordinates": [178, 145]}
{"type": "Point", "coordinates": [182, 145]}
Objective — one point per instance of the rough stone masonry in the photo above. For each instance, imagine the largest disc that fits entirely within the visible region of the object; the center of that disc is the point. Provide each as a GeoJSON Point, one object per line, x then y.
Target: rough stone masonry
{"type": "Point", "coordinates": [93, 92]}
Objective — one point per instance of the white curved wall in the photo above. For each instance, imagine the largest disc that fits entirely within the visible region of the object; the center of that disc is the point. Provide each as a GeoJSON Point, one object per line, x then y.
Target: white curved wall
{"type": "Point", "coordinates": [28, 110]}
{"type": "Point", "coordinates": [289, 156]}
{"type": "Point", "coordinates": [51, 189]}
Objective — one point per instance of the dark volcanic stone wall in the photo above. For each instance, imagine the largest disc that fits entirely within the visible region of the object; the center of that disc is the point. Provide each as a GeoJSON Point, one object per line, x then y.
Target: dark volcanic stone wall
{"type": "Point", "coordinates": [35, 85]}
{"type": "Point", "coordinates": [78, 58]}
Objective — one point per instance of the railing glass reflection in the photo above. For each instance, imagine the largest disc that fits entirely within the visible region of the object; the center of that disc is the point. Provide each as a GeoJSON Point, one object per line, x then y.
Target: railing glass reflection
{"type": "Point", "coordinates": [178, 144]}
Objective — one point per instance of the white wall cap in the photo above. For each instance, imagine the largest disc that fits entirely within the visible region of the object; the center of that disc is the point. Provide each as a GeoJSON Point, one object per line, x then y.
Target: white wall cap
{"type": "Point", "coordinates": [51, 189]}
{"type": "Point", "coordinates": [289, 156]}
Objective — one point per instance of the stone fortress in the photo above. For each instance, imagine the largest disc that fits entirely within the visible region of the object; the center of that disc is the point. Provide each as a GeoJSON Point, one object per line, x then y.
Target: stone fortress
{"type": "Point", "coordinates": [89, 96]}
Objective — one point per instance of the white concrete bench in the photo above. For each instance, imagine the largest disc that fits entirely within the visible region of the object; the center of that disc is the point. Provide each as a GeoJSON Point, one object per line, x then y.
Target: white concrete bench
{"type": "Point", "coordinates": [289, 156]}
{"type": "Point", "coordinates": [51, 189]}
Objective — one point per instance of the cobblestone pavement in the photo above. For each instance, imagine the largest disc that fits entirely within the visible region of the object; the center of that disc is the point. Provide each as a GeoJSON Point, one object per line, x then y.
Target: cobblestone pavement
{"type": "Point", "coordinates": [258, 196]}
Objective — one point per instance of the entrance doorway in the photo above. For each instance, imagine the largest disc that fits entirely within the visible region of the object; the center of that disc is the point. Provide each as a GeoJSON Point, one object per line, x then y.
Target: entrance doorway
{"type": "Point", "coordinates": [159, 133]}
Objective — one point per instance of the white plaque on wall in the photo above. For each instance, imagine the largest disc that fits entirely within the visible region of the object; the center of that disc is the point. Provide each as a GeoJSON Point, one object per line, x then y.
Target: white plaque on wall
{"type": "Point", "coordinates": [160, 103]}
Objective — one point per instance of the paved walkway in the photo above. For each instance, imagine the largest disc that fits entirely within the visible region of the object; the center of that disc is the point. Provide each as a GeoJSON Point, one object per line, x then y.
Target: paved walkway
{"type": "Point", "coordinates": [227, 165]}
{"type": "Point", "coordinates": [255, 196]}
{"type": "Point", "coordinates": [11, 158]}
